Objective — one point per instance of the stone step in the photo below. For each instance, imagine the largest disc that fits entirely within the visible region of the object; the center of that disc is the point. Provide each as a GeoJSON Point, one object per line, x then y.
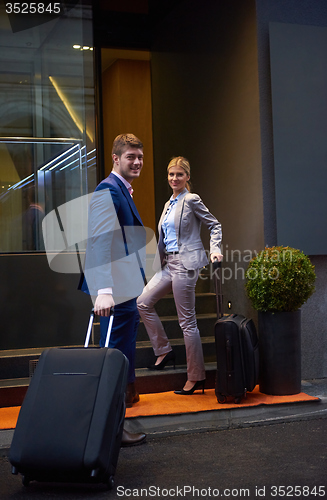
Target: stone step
{"type": "Point", "coordinates": [17, 366]}
{"type": "Point", "coordinates": [171, 326]}
{"type": "Point", "coordinates": [12, 391]}
{"type": "Point", "coordinates": [23, 365]}
{"type": "Point", "coordinates": [205, 303]}
{"type": "Point", "coordinates": [145, 356]}
{"type": "Point", "coordinates": [18, 363]}
{"type": "Point", "coordinates": [205, 323]}
{"type": "Point", "coordinates": [205, 282]}
{"type": "Point", "coordinates": [148, 382]}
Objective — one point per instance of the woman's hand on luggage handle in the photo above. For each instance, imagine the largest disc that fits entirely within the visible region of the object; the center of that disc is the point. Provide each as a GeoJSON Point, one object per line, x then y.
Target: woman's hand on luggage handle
{"type": "Point", "coordinates": [215, 256]}
{"type": "Point", "coordinates": [103, 304]}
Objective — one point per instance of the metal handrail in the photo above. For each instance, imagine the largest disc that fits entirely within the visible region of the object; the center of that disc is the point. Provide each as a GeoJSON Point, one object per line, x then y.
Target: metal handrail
{"type": "Point", "coordinates": [43, 140]}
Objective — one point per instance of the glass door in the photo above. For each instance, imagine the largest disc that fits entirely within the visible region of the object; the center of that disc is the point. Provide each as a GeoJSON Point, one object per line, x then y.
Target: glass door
{"type": "Point", "coordinates": [47, 125]}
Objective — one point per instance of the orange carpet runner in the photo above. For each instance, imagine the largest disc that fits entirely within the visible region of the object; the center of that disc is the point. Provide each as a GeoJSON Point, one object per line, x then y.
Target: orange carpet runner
{"type": "Point", "coordinates": [168, 403]}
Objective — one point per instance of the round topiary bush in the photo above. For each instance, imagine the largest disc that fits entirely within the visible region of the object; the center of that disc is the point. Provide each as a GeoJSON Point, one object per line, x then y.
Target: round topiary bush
{"type": "Point", "coordinates": [280, 279]}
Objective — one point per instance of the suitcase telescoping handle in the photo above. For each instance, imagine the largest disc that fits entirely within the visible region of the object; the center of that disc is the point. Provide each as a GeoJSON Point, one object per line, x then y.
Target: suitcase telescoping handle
{"type": "Point", "coordinates": [89, 328]}
{"type": "Point", "coordinates": [217, 280]}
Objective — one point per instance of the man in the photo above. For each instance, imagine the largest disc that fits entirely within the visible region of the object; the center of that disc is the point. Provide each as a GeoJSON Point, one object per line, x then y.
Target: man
{"type": "Point", "coordinates": [113, 270]}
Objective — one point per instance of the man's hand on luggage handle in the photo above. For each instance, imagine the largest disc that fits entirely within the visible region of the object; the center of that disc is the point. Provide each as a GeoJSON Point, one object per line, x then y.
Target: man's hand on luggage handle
{"type": "Point", "coordinates": [103, 304]}
{"type": "Point", "coordinates": [215, 256]}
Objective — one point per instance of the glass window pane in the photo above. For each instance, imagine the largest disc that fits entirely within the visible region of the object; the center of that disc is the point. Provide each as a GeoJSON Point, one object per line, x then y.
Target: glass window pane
{"type": "Point", "coordinates": [47, 131]}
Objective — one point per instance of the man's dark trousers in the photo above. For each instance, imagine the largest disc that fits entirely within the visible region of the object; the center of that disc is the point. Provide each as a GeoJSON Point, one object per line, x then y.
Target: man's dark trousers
{"type": "Point", "coordinates": [124, 332]}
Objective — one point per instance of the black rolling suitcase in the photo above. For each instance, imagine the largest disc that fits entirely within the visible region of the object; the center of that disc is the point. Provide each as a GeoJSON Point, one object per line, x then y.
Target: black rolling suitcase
{"type": "Point", "coordinates": [70, 424]}
{"type": "Point", "coordinates": [237, 352]}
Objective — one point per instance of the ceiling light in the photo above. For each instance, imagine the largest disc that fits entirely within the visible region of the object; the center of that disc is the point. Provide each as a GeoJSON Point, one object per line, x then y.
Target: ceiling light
{"type": "Point", "coordinates": [76, 46]}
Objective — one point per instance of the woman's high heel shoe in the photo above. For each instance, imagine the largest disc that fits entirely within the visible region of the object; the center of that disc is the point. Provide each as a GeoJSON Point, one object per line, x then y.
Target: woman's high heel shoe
{"type": "Point", "coordinates": [170, 356]}
{"type": "Point", "coordinates": [196, 386]}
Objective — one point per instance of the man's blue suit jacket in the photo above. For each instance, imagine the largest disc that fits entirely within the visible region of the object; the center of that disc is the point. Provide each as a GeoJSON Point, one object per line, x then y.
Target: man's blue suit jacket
{"type": "Point", "coordinates": [116, 242]}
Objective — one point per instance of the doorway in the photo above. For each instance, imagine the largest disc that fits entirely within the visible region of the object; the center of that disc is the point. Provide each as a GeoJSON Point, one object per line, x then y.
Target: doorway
{"type": "Point", "coordinates": [127, 108]}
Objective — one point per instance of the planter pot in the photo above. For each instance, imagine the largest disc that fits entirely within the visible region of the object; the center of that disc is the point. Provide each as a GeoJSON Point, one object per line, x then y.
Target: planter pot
{"type": "Point", "coordinates": [280, 352]}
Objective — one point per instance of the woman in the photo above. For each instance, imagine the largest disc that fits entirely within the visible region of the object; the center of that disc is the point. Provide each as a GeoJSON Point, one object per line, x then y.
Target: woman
{"type": "Point", "coordinates": [180, 254]}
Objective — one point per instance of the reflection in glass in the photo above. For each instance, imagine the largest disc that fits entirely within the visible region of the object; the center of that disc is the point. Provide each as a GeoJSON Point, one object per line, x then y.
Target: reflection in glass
{"type": "Point", "coordinates": [47, 139]}
{"type": "Point", "coordinates": [30, 191]}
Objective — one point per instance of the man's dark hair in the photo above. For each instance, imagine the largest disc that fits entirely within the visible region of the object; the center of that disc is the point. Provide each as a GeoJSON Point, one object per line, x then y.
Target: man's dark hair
{"type": "Point", "coordinates": [123, 141]}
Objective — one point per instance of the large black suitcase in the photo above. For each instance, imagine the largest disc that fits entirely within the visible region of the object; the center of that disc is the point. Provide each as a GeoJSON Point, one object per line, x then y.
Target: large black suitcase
{"type": "Point", "coordinates": [237, 352]}
{"type": "Point", "coordinates": [70, 424]}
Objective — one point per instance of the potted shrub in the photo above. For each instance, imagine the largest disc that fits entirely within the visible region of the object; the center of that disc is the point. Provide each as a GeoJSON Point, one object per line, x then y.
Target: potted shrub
{"type": "Point", "coordinates": [279, 280]}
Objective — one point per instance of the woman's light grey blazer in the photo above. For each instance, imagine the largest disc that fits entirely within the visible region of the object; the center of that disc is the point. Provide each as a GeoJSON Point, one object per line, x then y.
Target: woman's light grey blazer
{"type": "Point", "coordinates": [190, 213]}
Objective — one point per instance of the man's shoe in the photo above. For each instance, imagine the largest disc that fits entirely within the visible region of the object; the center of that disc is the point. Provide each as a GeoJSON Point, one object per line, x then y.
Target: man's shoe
{"type": "Point", "coordinates": [132, 396]}
{"type": "Point", "coordinates": [129, 439]}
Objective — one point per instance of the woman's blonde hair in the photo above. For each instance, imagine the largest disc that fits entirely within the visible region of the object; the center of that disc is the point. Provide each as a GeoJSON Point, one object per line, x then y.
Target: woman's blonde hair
{"type": "Point", "coordinates": [180, 161]}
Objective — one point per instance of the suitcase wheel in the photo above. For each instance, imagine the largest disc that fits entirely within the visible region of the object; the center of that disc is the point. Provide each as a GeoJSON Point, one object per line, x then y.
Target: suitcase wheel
{"type": "Point", "coordinates": [221, 398]}
{"type": "Point", "coordinates": [110, 482]}
{"type": "Point", "coordinates": [26, 481]}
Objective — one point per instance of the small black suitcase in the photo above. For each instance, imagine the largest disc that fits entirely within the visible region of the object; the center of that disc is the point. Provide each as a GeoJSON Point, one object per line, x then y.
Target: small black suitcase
{"type": "Point", "coordinates": [70, 424]}
{"type": "Point", "coordinates": [237, 352]}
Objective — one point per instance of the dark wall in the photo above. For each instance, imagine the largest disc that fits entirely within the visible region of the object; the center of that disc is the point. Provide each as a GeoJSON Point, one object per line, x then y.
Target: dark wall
{"type": "Point", "coordinates": [39, 307]}
{"type": "Point", "coordinates": [301, 12]}
{"type": "Point", "coordinates": [206, 107]}
{"type": "Point", "coordinates": [212, 103]}
{"type": "Point", "coordinates": [314, 329]}
{"type": "Point", "coordinates": [299, 105]}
